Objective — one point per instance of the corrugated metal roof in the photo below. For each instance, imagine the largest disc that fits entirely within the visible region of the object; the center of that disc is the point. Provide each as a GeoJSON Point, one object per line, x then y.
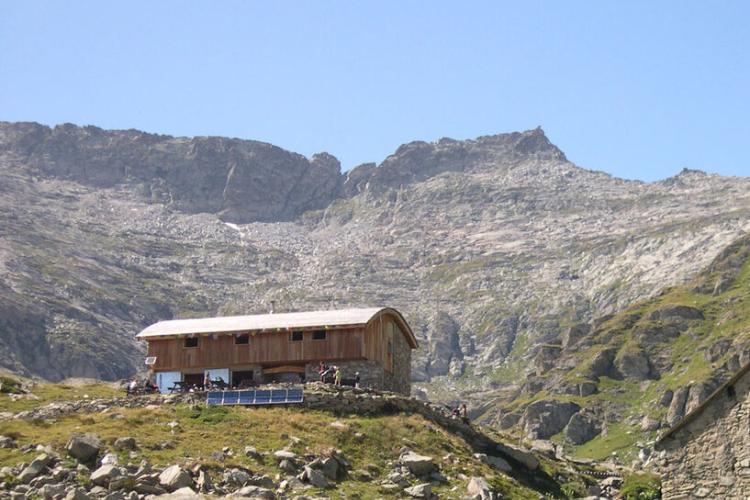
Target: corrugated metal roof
{"type": "Point", "coordinates": [308, 319]}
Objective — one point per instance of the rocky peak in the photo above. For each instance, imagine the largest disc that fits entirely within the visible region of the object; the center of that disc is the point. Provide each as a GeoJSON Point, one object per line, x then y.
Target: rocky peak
{"type": "Point", "coordinates": [241, 180]}
{"type": "Point", "coordinates": [418, 160]}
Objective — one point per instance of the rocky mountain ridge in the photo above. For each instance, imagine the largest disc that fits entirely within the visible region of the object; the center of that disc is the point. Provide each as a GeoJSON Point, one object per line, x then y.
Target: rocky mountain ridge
{"type": "Point", "coordinates": [491, 247]}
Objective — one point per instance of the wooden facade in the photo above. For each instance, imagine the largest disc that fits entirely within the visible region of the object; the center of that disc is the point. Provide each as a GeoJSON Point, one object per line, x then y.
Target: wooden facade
{"type": "Point", "coordinates": [190, 352]}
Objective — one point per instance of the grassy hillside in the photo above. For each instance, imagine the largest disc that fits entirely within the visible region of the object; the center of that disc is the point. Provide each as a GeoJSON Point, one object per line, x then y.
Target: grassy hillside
{"type": "Point", "coordinates": [187, 434]}
{"type": "Point", "coordinates": [689, 337]}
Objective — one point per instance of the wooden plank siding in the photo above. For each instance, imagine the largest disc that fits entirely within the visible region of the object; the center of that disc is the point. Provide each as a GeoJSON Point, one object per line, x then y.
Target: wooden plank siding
{"type": "Point", "coordinates": [275, 348]}
{"type": "Point", "coordinates": [266, 348]}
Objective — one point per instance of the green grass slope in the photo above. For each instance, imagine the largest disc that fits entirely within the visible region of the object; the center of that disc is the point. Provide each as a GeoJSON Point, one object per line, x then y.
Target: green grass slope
{"type": "Point", "coordinates": [187, 434]}
{"type": "Point", "coordinates": [694, 335]}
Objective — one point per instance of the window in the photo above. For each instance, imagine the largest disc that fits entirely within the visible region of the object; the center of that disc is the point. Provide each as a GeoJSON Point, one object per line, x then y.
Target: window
{"type": "Point", "coordinates": [242, 339]}
{"type": "Point", "coordinates": [191, 341]}
{"type": "Point", "coordinates": [319, 335]}
{"type": "Point", "coordinates": [295, 337]}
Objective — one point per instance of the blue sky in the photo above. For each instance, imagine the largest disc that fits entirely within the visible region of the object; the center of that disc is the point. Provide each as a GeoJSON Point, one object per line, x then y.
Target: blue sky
{"type": "Point", "coordinates": [637, 89]}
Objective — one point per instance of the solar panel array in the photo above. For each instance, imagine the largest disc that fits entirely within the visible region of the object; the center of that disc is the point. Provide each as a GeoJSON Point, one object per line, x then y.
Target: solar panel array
{"type": "Point", "coordinates": [253, 397]}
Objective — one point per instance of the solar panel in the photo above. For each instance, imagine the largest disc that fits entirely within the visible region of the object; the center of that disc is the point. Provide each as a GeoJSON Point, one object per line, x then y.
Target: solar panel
{"type": "Point", "coordinates": [214, 398]}
{"type": "Point", "coordinates": [262, 397]}
{"type": "Point", "coordinates": [255, 397]}
{"type": "Point", "coordinates": [278, 396]}
{"type": "Point", "coordinates": [231, 398]}
{"type": "Point", "coordinates": [247, 397]}
{"type": "Point", "coordinates": [294, 396]}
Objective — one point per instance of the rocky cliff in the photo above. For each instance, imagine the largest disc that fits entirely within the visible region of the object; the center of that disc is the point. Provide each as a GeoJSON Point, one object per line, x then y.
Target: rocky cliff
{"type": "Point", "coordinates": [240, 181]}
{"type": "Point", "coordinates": [622, 379]}
{"type": "Point", "coordinates": [492, 247]}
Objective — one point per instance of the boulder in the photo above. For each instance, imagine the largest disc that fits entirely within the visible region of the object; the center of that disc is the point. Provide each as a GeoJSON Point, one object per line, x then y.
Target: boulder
{"type": "Point", "coordinates": [508, 420]}
{"type": "Point", "coordinates": [77, 494]}
{"type": "Point", "coordinates": [105, 474]}
{"type": "Point", "coordinates": [255, 492]}
{"type": "Point", "coordinates": [314, 477]}
{"type": "Point", "coordinates": [423, 490]}
{"type": "Point", "coordinates": [251, 452]}
{"type": "Point", "coordinates": [545, 447]}
{"type": "Point", "coordinates": [51, 491]}
{"type": "Point", "coordinates": [125, 444]}
{"type": "Point", "coordinates": [284, 455]}
{"type": "Point", "coordinates": [602, 365]}
{"type": "Point", "coordinates": [676, 312]}
{"type": "Point", "coordinates": [419, 465]}
{"type": "Point", "coordinates": [543, 419]}
{"type": "Point", "coordinates": [575, 333]}
{"type": "Point", "coordinates": [634, 365]}
{"type": "Point", "coordinates": [203, 483]}
{"type": "Point", "coordinates": [84, 447]}
{"type": "Point", "coordinates": [649, 424]}
{"type": "Point", "coordinates": [329, 467]}
{"type": "Point", "coordinates": [677, 406]}
{"type": "Point", "coordinates": [495, 462]}
{"type": "Point", "coordinates": [697, 394]}
{"type": "Point", "coordinates": [666, 398]}
{"type": "Point", "coordinates": [288, 466]}
{"type": "Point", "coordinates": [582, 428]}
{"type": "Point", "coordinates": [7, 442]}
{"type": "Point", "coordinates": [173, 478]}
{"type": "Point", "coordinates": [35, 468]}
{"type": "Point", "coordinates": [236, 477]}
{"type": "Point", "coordinates": [263, 481]}
{"type": "Point", "coordinates": [524, 457]}
{"type": "Point", "coordinates": [479, 489]}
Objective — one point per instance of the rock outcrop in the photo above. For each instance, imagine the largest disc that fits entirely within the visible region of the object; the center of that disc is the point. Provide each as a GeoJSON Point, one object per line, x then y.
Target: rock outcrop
{"type": "Point", "coordinates": [108, 231]}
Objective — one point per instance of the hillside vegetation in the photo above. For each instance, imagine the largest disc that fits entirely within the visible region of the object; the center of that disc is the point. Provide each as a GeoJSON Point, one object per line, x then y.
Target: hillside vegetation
{"type": "Point", "coordinates": [221, 439]}
{"type": "Point", "coordinates": [631, 375]}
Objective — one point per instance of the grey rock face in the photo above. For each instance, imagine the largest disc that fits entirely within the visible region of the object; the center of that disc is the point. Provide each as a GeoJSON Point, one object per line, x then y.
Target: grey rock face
{"type": "Point", "coordinates": [105, 474]}
{"type": "Point", "coordinates": [419, 465]}
{"type": "Point", "coordinates": [35, 468]}
{"type": "Point", "coordinates": [582, 428]}
{"type": "Point", "coordinates": [423, 490]}
{"type": "Point", "coordinates": [526, 458]}
{"type": "Point", "coordinates": [125, 443]}
{"type": "Point", "coordinates": [84, 447]}
{"type": "Point", "coordinates": [544, 419]}
{"type": "Point", "coordinates": [603, 365]}
{"type": "Point", "coordinates": [475, 230]}
{"type": "Point", "coordinates": [677, 405]}
{"type": "Point", "coordinates": [241, 181]}
{"type": "Point", "coordinates": [479, 489]}
{"type": "Point", "coordinates": [634, 364]}
{"type": "Point", "coordinates": [173, 478]}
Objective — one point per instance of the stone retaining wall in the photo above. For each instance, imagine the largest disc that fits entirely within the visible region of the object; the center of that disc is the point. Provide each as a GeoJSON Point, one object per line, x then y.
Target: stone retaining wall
{"type": "Point", "coordinates": [710, 456]}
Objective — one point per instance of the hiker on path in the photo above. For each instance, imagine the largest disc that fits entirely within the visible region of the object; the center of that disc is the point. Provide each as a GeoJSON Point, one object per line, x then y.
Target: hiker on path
{"type": "Point", "coordinates": [337, 377]}
{"type": "Point", "coordinates": [464, 412]}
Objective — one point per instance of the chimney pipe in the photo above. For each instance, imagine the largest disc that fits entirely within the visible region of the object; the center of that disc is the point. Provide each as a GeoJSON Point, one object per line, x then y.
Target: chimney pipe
{"type": "Point", "coordinates": [273, 307]}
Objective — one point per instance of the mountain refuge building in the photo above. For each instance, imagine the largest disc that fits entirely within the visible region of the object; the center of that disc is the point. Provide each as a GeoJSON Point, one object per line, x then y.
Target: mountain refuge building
{"type": "Point", "coordinates": [707, 453]}
{"type": "Point", "coordinates": [283, 347]}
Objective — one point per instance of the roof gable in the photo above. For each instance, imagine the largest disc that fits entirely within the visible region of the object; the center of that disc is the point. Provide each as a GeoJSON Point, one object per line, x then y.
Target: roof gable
{"type": "Point", "coordinates": [277, 321]}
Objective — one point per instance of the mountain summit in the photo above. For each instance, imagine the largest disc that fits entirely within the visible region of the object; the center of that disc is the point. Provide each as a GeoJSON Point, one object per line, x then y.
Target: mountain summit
{"type": "Point", "coordinates": [491, 247]}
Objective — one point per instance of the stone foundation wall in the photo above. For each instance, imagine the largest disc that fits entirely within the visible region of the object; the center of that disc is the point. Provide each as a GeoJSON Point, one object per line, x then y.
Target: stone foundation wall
{"type": "Point", "coordinates": [710, 456]}
{"type": "Point", "coordinates": [400, 380]}
{"type": "Point", "coordinates": [372, 375]}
